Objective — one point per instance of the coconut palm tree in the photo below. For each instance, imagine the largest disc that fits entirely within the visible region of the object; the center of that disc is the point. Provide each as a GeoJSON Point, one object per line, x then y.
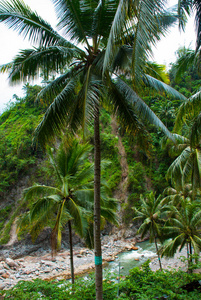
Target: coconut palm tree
{"type": "Point", "coordinates": [151, 212]}
{"type": "Point", "coordinates": [69, 201]}
{"type": "Point", "coordinates": [186, 168]}
{"type": "Point", "coordinates": [100, 39]}
{"type": "Point", "coordinates": [175, 196]}
{"type": "Point", "coordinates": [184, 230]}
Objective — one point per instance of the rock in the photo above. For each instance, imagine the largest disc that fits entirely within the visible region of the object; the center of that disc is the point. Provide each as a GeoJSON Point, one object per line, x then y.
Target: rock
{"type": "Point", "coordinates": [2, 272]}
{"type": "Point", "coordinates": [2, 287]}
{"type": "Point", "coordinates": [128, 247]}
{"type": "Point", "coordinates": [48, 263]}
{"type": "Point", "coordinates": [5, 266]}
{"type": "Point", "coordinates": [5, 275]}
{"type": "Point", "coordinates": [11, 263]}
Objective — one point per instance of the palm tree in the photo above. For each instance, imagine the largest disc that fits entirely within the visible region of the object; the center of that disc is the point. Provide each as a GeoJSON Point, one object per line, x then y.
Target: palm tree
{"type": "Point", "coordinates": [175, 196]}
{"type": "Point", "coordinates": [151, 212]}
{"type": "Point", "coordinates": [184, 229]}
{"type": "Point", "coordinates": [186, 168]}
{"type": "Point", "coordinates": [100, 40]}
{"type": "Point", "coordinates": [71, 199]}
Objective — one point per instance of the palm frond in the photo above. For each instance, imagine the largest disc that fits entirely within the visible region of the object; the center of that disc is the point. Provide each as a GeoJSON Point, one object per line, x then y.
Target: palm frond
{"type": "Point", "coordinates": [75, 19]}
{"type": "Point", "coordinates": [162, 87]}
{"type": "Point", "coordinates": [146, 34]}
{"type": "Point", "coordinates": [116, 29]}
{"type": "Point", "coordinates": [18, 16]}
{"type": "Point", "coordinates": [190, 107]}
{"type": "Point", "coordinates": [195, 134]}
{"type": "Point", "coordinates": [39, 191]}
{"type": "Point", "coordinates": [171, 247]}
{"type": "Point", "coordinates": [77, 214]}
{"type": "Point", "coordinates": [197, 7]}
{"type": "Point", "coordinates": [156, 71]}
{"type": "Point", "coordinates": [57, 115]}
{"type": "Point", "coordinates": [138, 105]}
{"type": "Point", "coordinates": [186, 60]}
{"type": "Point", "coordinates": [43, 206]}
{"type": "Point", "coordinates": [175, 170]}
{"type": "Point", "coordinates": [53, 163]}
{"type": "Point", "coordinates": [183, 8]}
{"type": "Point", "coordinates": [109, 215]}
{"type": "Point", "coordinates": [55, 87]}
{"type": "Point", "coordinates": [30, 62]}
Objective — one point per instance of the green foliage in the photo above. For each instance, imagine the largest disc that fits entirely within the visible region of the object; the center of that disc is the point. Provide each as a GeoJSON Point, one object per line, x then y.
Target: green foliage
{"type": "Point", "coordinates": [109, 151]}
{"type": "Point", "coordinates": [136, 186]}
{"type": "Point", "coordinates": [136, 178]}
{"type": "Point", "coordinates": [4, 233]}
{"type": "Point", "coordinates": [17, 125]}
{"type": "Point", "coordinates": [140, 284]}
{"type": "Point", "coordinates": [145, 284]}
{"type": "Point", "coordinates": [4, 213]}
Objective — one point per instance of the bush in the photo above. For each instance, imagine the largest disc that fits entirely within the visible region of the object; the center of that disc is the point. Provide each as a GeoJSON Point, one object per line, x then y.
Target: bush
{"type": "Point", "coordinates": [142, 283]}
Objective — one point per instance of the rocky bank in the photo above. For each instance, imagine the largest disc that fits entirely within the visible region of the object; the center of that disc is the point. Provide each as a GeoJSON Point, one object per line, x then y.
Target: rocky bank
{"type": "Point", "coordinates": [22, 262]}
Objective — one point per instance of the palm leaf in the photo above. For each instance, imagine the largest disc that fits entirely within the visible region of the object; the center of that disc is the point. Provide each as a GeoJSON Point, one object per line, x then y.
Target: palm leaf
{"type": "Point", "coordinates": [57, 115]}
{"type": "Point", "coordinates": [39, 191]}
{"type": "Point", "coordinates": [75, 18]}
{"type": "Point", "coordinates": [28, 63]}
{"type": "Point", "coordinates": [146, 34]}
{"type": "Point", "coordinates": [44, 206]}
{"type": "Point", "coordinates": [171, 247]}
{"type": "Point", "coordinates": [18, 16]}
{"type": "Point", "coordinates": [162, 87]}
{"type": "Point", "coordinates": [76, 212]}
{"type": "Point", "coordinates": [116, 29]}
{"type": "Point", "coordinates": [188, 108]}
{"type": "Point", "coordinates": [138, 105]}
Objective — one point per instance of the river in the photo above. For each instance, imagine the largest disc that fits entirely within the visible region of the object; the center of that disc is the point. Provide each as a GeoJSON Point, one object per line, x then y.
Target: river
{"type": "Point", "coordinates": [130, 259]}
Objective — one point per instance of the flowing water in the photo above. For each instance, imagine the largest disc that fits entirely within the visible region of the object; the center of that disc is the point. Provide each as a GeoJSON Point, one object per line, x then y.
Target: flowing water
{"type": "Point", "coordinates": [130, 259]}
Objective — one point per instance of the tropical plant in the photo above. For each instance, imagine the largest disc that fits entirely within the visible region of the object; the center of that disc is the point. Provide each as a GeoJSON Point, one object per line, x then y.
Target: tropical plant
{"type": "Point", "coordinates": [175, 196]}
{"type": "Point", "coordinates": [151, 212]}
{"type": "Point", "coordinates": [184, 230]}
{"type": "Point", "coordinates": [114, 34]}
{"type": "Point", "coordinates": [69, 201]}
{"type": "Point", "coordinates": [186, 168]}
{"type": "Point", "coordinates": [65, 202]}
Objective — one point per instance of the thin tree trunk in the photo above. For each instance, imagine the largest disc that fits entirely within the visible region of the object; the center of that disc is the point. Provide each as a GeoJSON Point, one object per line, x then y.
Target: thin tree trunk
{"type": "Point", "coordinates": [190, 258]}
{"type": "Point", "coordinates": [159, 259]}
{"type": "Point", "coordinates": [71, 252]}
{"type": "Point", "coordinates": [97, 237]}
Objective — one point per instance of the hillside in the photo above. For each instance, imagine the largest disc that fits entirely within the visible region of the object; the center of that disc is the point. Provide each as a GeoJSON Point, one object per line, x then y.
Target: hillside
{"type": "Point", "coordinates": [135, 169]}
{"type": "Point", "coordinates": [133, 172]}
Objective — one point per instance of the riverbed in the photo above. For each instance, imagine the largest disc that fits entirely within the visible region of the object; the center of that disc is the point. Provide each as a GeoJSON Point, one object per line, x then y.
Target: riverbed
{"type": "Point", "coordinates": [116, 258]}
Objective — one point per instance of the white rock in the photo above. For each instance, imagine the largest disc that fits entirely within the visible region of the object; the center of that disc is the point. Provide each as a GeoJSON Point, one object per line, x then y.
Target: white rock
{"type": "Point", "coordinates": [11, 263]}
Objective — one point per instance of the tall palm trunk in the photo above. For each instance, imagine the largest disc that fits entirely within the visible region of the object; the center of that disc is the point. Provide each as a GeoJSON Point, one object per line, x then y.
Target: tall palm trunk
{"type": "Point", "coordinates": [71, 252]}
{"type": "Point", "coordinates": [97, 237]}
{"type": "Point", "coordinates": [159, 259]}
